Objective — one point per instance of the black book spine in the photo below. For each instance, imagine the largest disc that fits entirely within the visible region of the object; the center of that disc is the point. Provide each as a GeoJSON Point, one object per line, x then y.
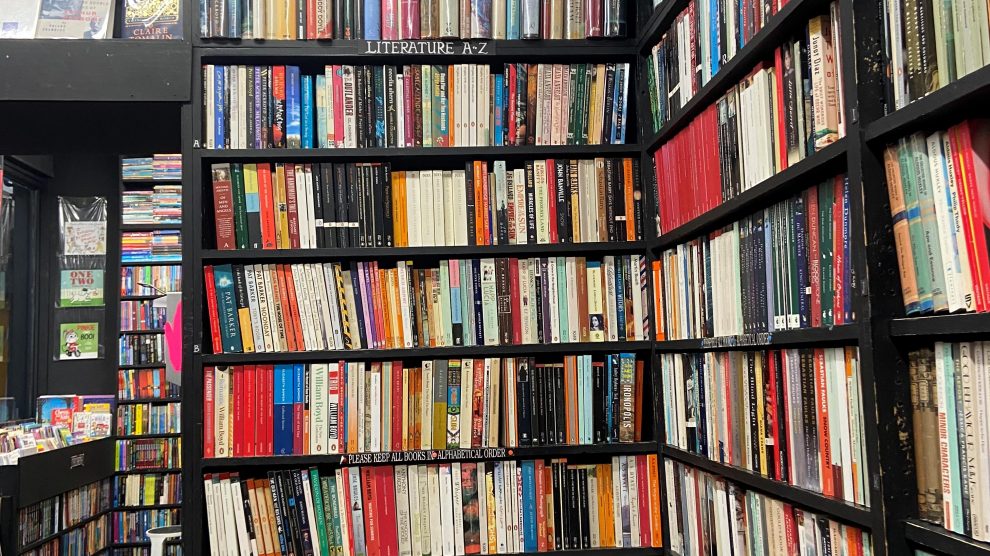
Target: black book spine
{"type": "Point", "coordinates": [546, 268]}
{"type": "Point", "coordinates": [338, 18]}
{"type": "Point", "coordinates": [539, 301]}
{"type": "Point", "coordinates": [761, 273]}
{"type": "Point", "coordinates": [338, 234]}
{"type": "Point", "coordinates": [391, 137]}
{"type": "Point", "coordinates": [609, 95]}
{"type": "Point", "coordinates": [582, 484]}
{"type": "Point", "coordinates": [523, 385]}
{"type": "Point", "coordinates": [479, 325]}
{"type": "Point", "coordinates": [378, 121]}
{"type": "Point", "coordinates": [504, 300]}
{"type": "Point", "coordinates": [302, 514]}
{"type": "Point", "coordinates": [563, 201]}
{"type": "Point", "coordinates": [598, 401]}
{"type": "Point", "coordinates": [361, 106]}
{"type": "Point", "coordinates": [365, 174]}
{"type": "Point", "coordinates": [618, 190]}
{"type": "Point", "coordinates": [540, 406]}
{"type": "Point", "coordinates": [361, 198]}
{"type": "Point", "coordinates": [291, 515]}
{"type": "Point", "coordinates": [560, 425]}
{"type": "Point", "coordinates": [377, 175]}
{"type": "Point", "coordinates": [277, 506]}
{"type": "Point", "coordinates": [301, 21]}
{"type": "Point", "coordinates": [318, 198]}
{"type": "Point", "coordinates": [701, 424]}
{"type": "Point", "coordinates": [558, 505]}
{"type": "Point", "coordinates": [530, 207]}
{"type": "Point", "coordinates": [325, 233]}
{"type": "Point", "coordinates": [357, 20]}
{"type": "Point", "coordinates": [573, 508]}
{"type": "Point", "coordinates": [534, 384]}
{"type": "Point", "coordinates": [387, 204]}
{"type": "Point", "coordinates": [469, 196]}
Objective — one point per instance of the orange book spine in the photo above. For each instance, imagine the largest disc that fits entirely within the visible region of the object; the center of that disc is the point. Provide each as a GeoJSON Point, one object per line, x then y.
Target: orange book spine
{"type": "Point", "coordinates": [479, 204]}
{"type": "Point", "coordinates": [290, 283]}
{"type": "Point", "coordinates": [541, 509]}
{"type": "Point", "coordinates": [824, 439]}
{"type": "Point", "coordinates": [287, 315]}
{"type": "Point", "coordinates": [627, 183]}
{"type": "Point", "coordinates": [656, 528]}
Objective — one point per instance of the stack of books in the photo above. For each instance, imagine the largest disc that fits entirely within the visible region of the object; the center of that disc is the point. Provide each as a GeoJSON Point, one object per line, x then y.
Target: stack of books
{"type": "Point", "coordinates": [167, 167]}
{"type": "Point", "coordinates": [140, 168]}
{"type": "Point", "coordinates": [156, 246]}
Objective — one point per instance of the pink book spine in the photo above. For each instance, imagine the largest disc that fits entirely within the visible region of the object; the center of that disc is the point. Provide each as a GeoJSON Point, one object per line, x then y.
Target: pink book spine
{"type": "Point", "coordinates": [410, 19]}
{"type": "Point", "coordinates": [338, 103]}
{"type": "Point", "coordinates": [390, 30]}
{"type": "Point", "coordinates": [407, 107]}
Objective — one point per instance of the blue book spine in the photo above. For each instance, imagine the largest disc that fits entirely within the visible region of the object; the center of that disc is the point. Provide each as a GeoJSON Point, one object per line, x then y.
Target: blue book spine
{"type": "Point", "coordinates": [298, 401]}
{"type": "Point", "coordinates": [713, 29]}
{"type": "Point", "coordinates": [230, 329]}
{"type": "Point", "coordinates": [499, 111]}
{"type": "Point", "coordinates": [283, 398]}
{"type": "Point", "coordinates": [804, 302]}
{"type": "Point", "coordinates": [622, 112]}
{"type": "Point", "coordinates": [307, 111]}
{"type": "Point", "coordinates": [512, 20]}
{"type": "Point", "coordinates": [293, 137]}
{"type": "Point", "coordinates": [952, 432]}
{"type": "Point", "coordinates": [456, 318]}
{"type": "Point", "coordinates": [372, 20]}
{"type": "Point", "coordinates": [610, 370]}
{"type": "Point", "coordinates": [321, 114]}
{"type": "Point", "coordinates": [233, 19]}
{"type": "Point", "coordinates": [529, 505]}
{"type": "Point", "coordinates": [219, 106]}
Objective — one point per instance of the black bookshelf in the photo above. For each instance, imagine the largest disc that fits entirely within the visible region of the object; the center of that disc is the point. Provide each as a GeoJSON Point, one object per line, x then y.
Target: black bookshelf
{"type": "Point", "coordinates": [931, 537]}
{"type": "Point", "coordinates": [961, 324]}
{"type": "Point", "coordinates": [819, 337]}
{"type": "Point", "coordinates": [434, 154]}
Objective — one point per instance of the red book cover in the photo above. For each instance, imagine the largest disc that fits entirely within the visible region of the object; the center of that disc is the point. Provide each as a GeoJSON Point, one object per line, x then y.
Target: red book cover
{"type": "Point", "coordinates": [283, 301]}
{"type": "Point", "coordinates": [387, 518]}
{"type": "Point", "coordinates": [250, 409]}
{"type": "Point", "coordinates": [211, 305]}
{"type": "Point", "coordinates": [209, 402]}
{"type": "Point", "coordinates": [390, 31]}
{"type": "Point", "coordinates": [236, 433]}
{"type": "Point", "coordinates": [223, 207]}
{"type": "Point", "coordinates": [410, 20]}
{"type": "Point", "coordinates": [479, 204]}
{"type": "Point", "coordinates": [552, 200]}
{"type": "Point", "coordinates": [976, 147]}
{"type": "Point", "coordinates": [814, 255]}
{"type": "Point", "coordinates": [311, 31]}
{"type": "Point", "coordinates": [643, 485]}
{"type": "Point", "coordinates": [291, 201]}
{"type": "Point", "coordinates": [515, 299]}
{"type": "Point", "coordinates": [266, 199]}
{"type": "Point", "coordinates": [778, 70]}
{"type": "Point", "coordinates": [593, 18]}
{"type": "Point", "coordinates": [372, 526]}
{"type": "Point", "coordinates": [772, 416]}
{"type": "Point", "coordinates": [979, 265]}
{"type": "Point", "coordinates": [838, 260]}
{"type": "Point", "coordinates": [486, 203]}
{"type": "Point", "coordinates": [397, 406]}
{"type": "Point", "coordinates": [478, 403]}
{"type": "Point", "coordinates": [824, 440]}
{"type": "Point", "coordinates": [638, 400]}
{"type": "Point", "coordinates": [293, 306]}
{"type": "Point", "coordinates": [541, 507]}
{"type": "Point", "coordinates": [278, 111]}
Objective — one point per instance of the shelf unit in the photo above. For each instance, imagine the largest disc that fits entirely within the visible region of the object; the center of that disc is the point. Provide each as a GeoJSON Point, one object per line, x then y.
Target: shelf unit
{"type": "Point", "coordinates": [198, 201]}
{"type": "Point", "coordinates": [931, 537]}
{"type": "Point", "coordinates": [121, 475]}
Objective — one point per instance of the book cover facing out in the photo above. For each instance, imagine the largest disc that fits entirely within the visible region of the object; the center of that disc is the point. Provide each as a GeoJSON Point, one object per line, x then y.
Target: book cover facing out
{"type": "Point", "coordinates": [152, 19]}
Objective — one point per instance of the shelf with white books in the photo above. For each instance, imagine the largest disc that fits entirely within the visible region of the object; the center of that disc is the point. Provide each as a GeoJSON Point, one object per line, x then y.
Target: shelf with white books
{"type": "Point", "coordinates": [790, 18]}
{"type": "Point", "coordinates": [842, 334]}
{"type": "Point", "coordinates": [414, 457]}
{"type": "Point", "coordinates": [963, 98]}
{"type": "Point", "coordinates": [838, 509]}
{"type": "Point", "coordinates": [425, 353]}
{"type": "Point", "coordinates": [448, 252]}
{"type": "Point", "coordinates": [825, 163]}
{"type": "Point", "coordinates": [959, 324]}
{"type": "Point", "coordinates": [404, 154]}
{"type": "Point", "coordinates": [933, 537]}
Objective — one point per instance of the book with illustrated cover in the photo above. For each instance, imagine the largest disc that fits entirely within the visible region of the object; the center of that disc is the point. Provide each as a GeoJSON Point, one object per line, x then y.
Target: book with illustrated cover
{"type": "Point", "coordinates": [75, 19]}
{"type": "Point", "coordinates": [152, 19]}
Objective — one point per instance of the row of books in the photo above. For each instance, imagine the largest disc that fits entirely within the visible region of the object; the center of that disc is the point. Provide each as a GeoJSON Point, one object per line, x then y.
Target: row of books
{"type": "Point", "coordinates": [141, 349]}
{"type": "Point", "coordinates": [939, 198]}
{"type": "Point", "coordinates": [461, 105]}
{"type": "Point", "coordinates": [150, 489]}
{"type": "Point", "coordinates": [704, 510]}
{"type": "Point", "coordinates": [788, 266]}
{"type": "Point", "coordinates": [148, 418]}
{"type": "Point", "coordinates": [131, 526]}
{"type": "Point", "coordinates": [160, 205]}
{"type": "Point", "coordinates": [141, 315]}
{"type": "Point", "coordinates": [459, 508]}
{"type": "Point", "coordinates": [170, 549]}
{"type": "Point", "coordinates": [293, 206]}
{"type": "Point", "coordinates": [163, 167]}
{"type": "Point", "coordinates": [931, 44]}
{"type": "Point", "coordinates": [91, 538]}
{"type": "Point", "coordinates": [792, 415]}
{"type": "Point", "coordinates": [305, 307]}
{"type": "Point", "coordinates": [51, 515]}
{"type": "Point", "coordinates": [393, 20]}
{"type": "Point", "coordinates": [137, 384]}
{"type": "Point", "coordinates": [150, 280]}
{"type": "Point", "coordinates": [355, 407]}
{"type": "Point", "coordinates": [949, 392]}
{"type": "Point", "coordinates": [148, 453]}
{"type": "Point", "coordinates": [157, 246]}
{"type": "Point", "coordinates": [778, 115]}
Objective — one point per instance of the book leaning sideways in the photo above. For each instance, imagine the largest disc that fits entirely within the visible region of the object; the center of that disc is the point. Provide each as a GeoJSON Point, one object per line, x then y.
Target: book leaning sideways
{"type": "Point", "coordinates": [56, 19]}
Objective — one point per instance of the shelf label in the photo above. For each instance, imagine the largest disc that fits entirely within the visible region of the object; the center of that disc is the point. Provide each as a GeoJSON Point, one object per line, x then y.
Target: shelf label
{"type": "Point", "coordinates": [78, 460]}
{"type": "Point", "coordinates": [449, 48]}
{"type": "Point", "coordinates": [759, 339]}
{"type": "Point", "coordinates": [426, 456]}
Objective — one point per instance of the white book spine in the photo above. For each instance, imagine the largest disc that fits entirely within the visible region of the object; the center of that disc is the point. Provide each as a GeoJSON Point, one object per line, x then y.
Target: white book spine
{"type": "Point", "coordinates": [483, 506]}
{"type": "Point", "coordinates": [405, 309]}
{"type": "Point", "coordinates": [413, 209]}
{"type": "Point", "coordinates": [402, 510]}
{"type": "Point", "coordinates": [212, 525]}
{"type": "Point", "coordinates": [305, 304]}
{"type": "Point", "coordinates": [492, 374]}
{"type": "Point", "coordinates": [460, 216]}
{"type": "Point", "coordinates": [573, 317]}
{"type": "Point", "coordinates": [551, 288]}
{"type": "Point", "coordinates": [611, 307]}
{"type": "Point", "coordinates": [617, 501]}
{"type": "Point", "coordinates": [943, 216]}
{"type": "Point", "coordinates": [500, 513]}
{"type": "Point", "coordinates": [456, 497]}
{"type": "Point", "coordinates": [982, 434]}
{"type": "Point", "coordinates": [222, 411]}
{"type": "Point", "coordinates": [439, 210]}
{"type": "Point", "coordinates": [541, 190]}
{"type": "Point", "coordinates": [267, 307]}
{"type": "Point", "coordinates": [963, 272]}
{"type": "Point", "coordinates": [467, 402]}
{"type": "Point", "coordinates": [426, 504]}
{"type": "Point", "coordinates": [415, 512]}
{"type": "Point", "coordinates": [427, 411]}
{"type": "Point", "coordinates": [252, 289]}
{"type": "Point", "coordinates": [336, 323]}
{"type": "Point", "coordinates": [446, 509]}
{"type": "Point", "coordinates": [427, 207]}
{"type": "Point", "coordinates": [634, 501]}
{"type": "Point", "coordinates": [318, 410]}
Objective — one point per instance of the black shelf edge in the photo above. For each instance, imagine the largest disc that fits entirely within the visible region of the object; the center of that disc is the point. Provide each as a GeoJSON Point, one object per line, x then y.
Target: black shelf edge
{"type": "Point", "coordinates": [758, 47]}
{"type": "Point", "coordinates": [148, 435]}
{"type": "Point", "coordinates": [842, 333]}
{"type": "Point", "coordinates": [159, 365]}
{"type": "Point", "coordinates": [425, 353]}
{"type": "Point", "coordinates": [415, 153]}
{"type": "Point", "coordinates": [936, 109]}
{"type": "Point", "coordinates": [660, 21]}
{"type": "Point", "coordinates": [415, 457]}
{"type": "Point", "coordinates": [111, 70]}
{"type": "Point", "coordinates": [942, 325]}
{"type": "Point", "coordinates": [151, 471]}
{"type": "Point", "coordinates": [791, 179]}
{"type": "Point", "coordinates": [844, 511]}
{"type": "Point", "coordinates": [139, 544]}
{"type": "Point", "coordinates": [552, 249]}
{"type": "Point", "coordinates": [136, 401]}
{"type": "Point", "coordinates": [358, 51]}
{"type": "Point", "coordinates": [140, 332]}
{"type": "Point", "coordinates": [938, 538]}
{"type": "Point", "coordinates": [148, 227]}
{"type": "Point", "coordinates": [140, 297]}
{"type": "Point", "coordinates": [44, 540]}
{"type": "Point", "coordinates": [171, 506]}
{"type": "Point", "coordinates": [151, 263]}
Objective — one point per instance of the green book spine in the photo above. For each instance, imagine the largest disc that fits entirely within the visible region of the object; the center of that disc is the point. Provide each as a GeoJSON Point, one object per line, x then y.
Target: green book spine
{"type": "Point", "coordinates": [561, 264]}
{"type": "Point", "coordinates": [916, 229]}
{"type": "Point", "coordinates": [952, 433]}
{"type": "Point", "coordinates": [321, 524]}
{"type": "Point", "coordinates": [916, 159]}
{"type": "Point", "coordinates": [825, 194]}
{"type": "Point", "coordinates": [572, 109]}
{"type": "Point", "coordinates": [651, 83]}
{"type": "Point", "coordinates": [240, 206]}
{"type": "Point", "coordinates": [329, 485]}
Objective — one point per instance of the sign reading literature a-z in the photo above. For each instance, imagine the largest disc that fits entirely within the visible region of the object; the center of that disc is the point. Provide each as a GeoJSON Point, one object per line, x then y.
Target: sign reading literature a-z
{"type": "Point", "coordinates": [449, 48]}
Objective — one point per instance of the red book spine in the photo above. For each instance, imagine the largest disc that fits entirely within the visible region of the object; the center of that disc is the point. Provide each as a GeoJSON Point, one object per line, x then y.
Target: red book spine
{"type": "Point", "coordinates": [824, 439]}
{"type": "Point", "coordinates": [387, 517]}
{"type": "Point", "coordinates": [290, 286]}
{"type": "Point", "coordinates": [658, 162]}
{"type": "Point", "coordinates": [838, 260]}
{"type": "Point", "coordinates": [209, 407]}
{"type": "Point", "coordinates": [372, 269]}
{"type": "Point", "coordinates": [211, 305]}
{"type": "Point", "coordinates": [486, 203]}
{"type": "Point", "coordinates": [772, 416]}
{"type": "Point", "coordinates": [389, 30]}
{"type": "Point", "coordinates": [643, 485]}
{"type": "Point", "coordinates": [407, 104]}
{"type": "Point", "coordinates": [541, 509]}
{"type": "Point", "coordinates": [266, 199]}
{"type": "Point", "coordinates": [287, 318]}
{"type": "Point", "coordinates": [814, 256]}
{"type": "Point", "coordinates": [250, 409]}
{"type": "Point", "coordinates": [962, 177]}
{"type": "Point", "coordinates": [397, 405]}
{"type": "Point", "coordinates": [511, 105]}
{"type": "Point", "coordinates": [516, 299]}
{"type": "Point", "coordinates": [778, 71]}
{"type": "Point", "coordinates": [790, 529]}
{"type": "Point", "coordinates": [341, 411]}
{"type": "Point", "coordinates": [223, 208]}
{"type": "Point", "coordinates": [552, 200]}
{"type": "Point", "coordinates": [338, 103]}
{"type": "Point", "coordinates": [593, 18]}
{"type": "Point", "coordinates": [410, 20]}
{"type": "Point", "coordinates": [978, 210]}
{"type": "Point", "coordinates": [477, 404]}
{"type": "Point", "coordinates": [311, 30]}
{"type": "Point", "coordinates": [369, 493]}
{"type": "Point", "coordinates": [237, 374]}
{"type": "Point", "coordinates": [291, 201]}
{"type": "Point", "coordinates": [269, 409]}
{"type": "Point", "coordinates": [785, 405]}
{"type": "Point", "coordinates": [278, 116]}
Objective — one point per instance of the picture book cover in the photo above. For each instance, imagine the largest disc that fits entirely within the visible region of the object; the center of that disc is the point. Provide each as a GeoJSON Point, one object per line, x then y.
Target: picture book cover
{"type": "Point", "coordinates": [152, 19]}
{"type": "Point", "coordinates": [79, 340]}
{"type": "Point", "coordinates": [75, 19]}
{"type": "Point", "coordinates": [81, 288]}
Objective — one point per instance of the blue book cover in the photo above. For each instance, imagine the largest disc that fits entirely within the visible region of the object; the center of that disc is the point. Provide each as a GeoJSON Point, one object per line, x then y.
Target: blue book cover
{"type": "Point", "coordinates": [499, 111]}
{"type": "Point", "coordinates": [621, 89]}
{"type": "Point", "coordinates": [372, 20]}
{"type": "Point", "coordinates": [307, 111]}
{"type": "Point", "coordinates": [230, 329]}
{"type": "Point", "coordinates": [283, 397]}
{"type": "Point", "coordinates": [293, 138]}
{"type": "Point", "coordinates": [321, 114]}
{"type": "Point", "coordinates": [529, 505]}
{"type": "Point", "coordinates": [219, 107]}
{"type": "Point", "coordinates": [456, 318]}
{"type": "Point", "coordinates": [512, 20]}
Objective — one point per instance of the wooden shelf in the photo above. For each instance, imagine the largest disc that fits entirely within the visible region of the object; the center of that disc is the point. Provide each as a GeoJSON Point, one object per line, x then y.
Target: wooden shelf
{"type": "Point", "coordinates": [859, 516]}
{"type": "Point", "coordinates": [824, 163]}
{"type": "Point", "coordinates": [842, 334]}
{"type": "Point", "coordinates": [934, 537]}
{"type": "Point", "coordinates": [425, 353]}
